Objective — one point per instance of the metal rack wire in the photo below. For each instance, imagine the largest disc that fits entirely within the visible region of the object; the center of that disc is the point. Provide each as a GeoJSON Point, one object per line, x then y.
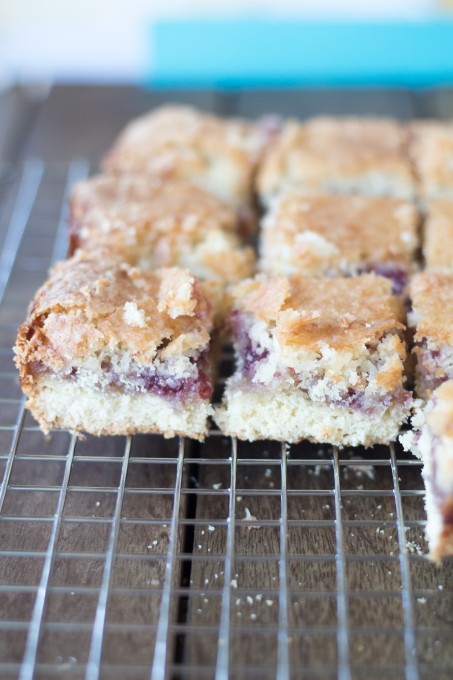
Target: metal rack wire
{"type": "Point", "coordinates": [145, 558]}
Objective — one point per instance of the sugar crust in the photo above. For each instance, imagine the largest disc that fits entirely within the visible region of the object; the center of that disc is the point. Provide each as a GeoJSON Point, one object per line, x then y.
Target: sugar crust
{"type": "Point", "coordinates": [309, 313]}
{"type": "Point", "coordinates": [154, 223]}
{"type": "Point", "coordinates": [431, 150]}
{"type": "Point", "coordinates": [322, 234]}
{"type": "Point", "coordinates": [339, 155]}
{"type": "Point", "coordinates": [177, 141]}
{"type": "Point", "coordinates": [123, 201]}
{"type": "Point", "coordinates": [438, 236]}
{"type": "Point", "coordinates": [432, 302]}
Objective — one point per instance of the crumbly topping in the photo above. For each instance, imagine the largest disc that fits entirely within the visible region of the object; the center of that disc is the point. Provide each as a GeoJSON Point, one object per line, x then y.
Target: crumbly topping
{"type": "Point", "coordinates": [438, 241]}
{"type": "Point", "coordinates": [431, 150]}
{"type": "Point", "coordinates": [104, 207]}
{"type": "Point", "coordinates": [179, 141]}
{"type": "Point", "coordinates": [134, 316]}
{"type": "Point", "coordinates": [310, 313]}
{"type": "Point", "coordinates": [180, 125]}
{"type": "Point", "coordinates": [321, 233]}
{"type": "Point", "coordinates": [95, 309]}
{"type": "Point", "coordinates": [264, 296]}
{"type": "Point", "coordinates": [176, 294]}
{"type": "Point", "coordinates": [432, 302]}
{"type": "Point", "coordinates": [329, 149]}
{"type": "Point", "coordinates": [154, 223]}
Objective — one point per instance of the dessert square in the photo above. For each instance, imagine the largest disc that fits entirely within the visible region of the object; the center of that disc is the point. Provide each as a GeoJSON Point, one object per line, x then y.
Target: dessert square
{"type": "Point", "coordinates": [317, 359]}
{"type": "Point", "coordinates": [339, 235]}
{"type": "Point", "coordinates": [154, 223]}
{"type": "Point", "coordinates": [220, 155]}
{"type": "Point", "coordinates": [431, 150]}
{"type": "Point", "coordinates": [438, 236]}
{"type": "Point", "coordinates": [432, 441]}
{"type": "Point", "coordinates": [339, 155]}
{"type": "Point", "coordinates": [111, 349]}
{"type": "Point", "coordinates": [431, 295]}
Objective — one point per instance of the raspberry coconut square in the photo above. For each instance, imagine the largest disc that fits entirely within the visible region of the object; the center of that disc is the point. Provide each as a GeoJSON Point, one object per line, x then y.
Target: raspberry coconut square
{"type": "Point", "coordinates": [339, 155]}
{"type": "Point", "coordinates": [179, 142]}
{"type": "Point", "coordinates": [110, 349]}
{"type": "Point", "coordinates": [150, 222]}
{"type": "Point", "coordinates": [317, 359]}
{"type": "Point", "coordinates": [339, 235]}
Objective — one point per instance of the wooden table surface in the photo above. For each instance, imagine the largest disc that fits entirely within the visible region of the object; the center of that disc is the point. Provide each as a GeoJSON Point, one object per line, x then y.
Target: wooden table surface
{"type": "Point", "coordinates": [364, 586]}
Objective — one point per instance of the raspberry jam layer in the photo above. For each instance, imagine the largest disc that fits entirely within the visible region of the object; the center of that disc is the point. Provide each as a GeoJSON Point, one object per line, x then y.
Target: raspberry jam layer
{"type": "Point", "coordinates": [251, 356]}
{"type": "Point", "coordinates": [357, 400]}
{"type": "Point", "coordinates": [171, 387]}
{"type": "Point", "coordinates": [148, 380]}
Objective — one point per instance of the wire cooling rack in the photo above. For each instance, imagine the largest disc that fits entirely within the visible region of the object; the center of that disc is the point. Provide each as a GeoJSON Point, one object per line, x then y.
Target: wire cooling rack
{"type": "Point", "coordinates": [146, 558]}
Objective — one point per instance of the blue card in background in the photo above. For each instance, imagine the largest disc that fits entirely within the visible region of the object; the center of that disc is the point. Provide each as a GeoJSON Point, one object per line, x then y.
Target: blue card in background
{"type": "Point", "coordinates": [251, 52]}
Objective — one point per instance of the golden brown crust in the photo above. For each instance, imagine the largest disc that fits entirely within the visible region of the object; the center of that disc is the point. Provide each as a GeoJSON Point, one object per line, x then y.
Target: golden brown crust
{"type": "Point", "coordinates": [263, 296]}
{"type": "Point", "coordinates": [154, 223]}
{"type": "Point", "coordinates": [352, 231]}
{"type": "Point", "coordinates": [338, 150]}
{"type": "Point", "coordinates": [181, 142]}
{"type": "Point", "coordinates": [94, 304]}
{"type": "Point", "coordinates": [431, 150]}
{"type": "Point", "coordinates": [438, 241]}
{"type": "Point", "coordinates": [432, 302]}
{"type": "Point", "coordinates": [338, 313]}
{"type": "Point", "coordinates": [126, 208]}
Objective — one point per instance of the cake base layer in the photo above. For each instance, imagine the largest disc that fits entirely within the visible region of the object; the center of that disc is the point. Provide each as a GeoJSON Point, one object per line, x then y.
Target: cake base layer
{"type": "Point", "coordinates": [66, 405]}
{"type": "Point", "coordinates": [292, 417]}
